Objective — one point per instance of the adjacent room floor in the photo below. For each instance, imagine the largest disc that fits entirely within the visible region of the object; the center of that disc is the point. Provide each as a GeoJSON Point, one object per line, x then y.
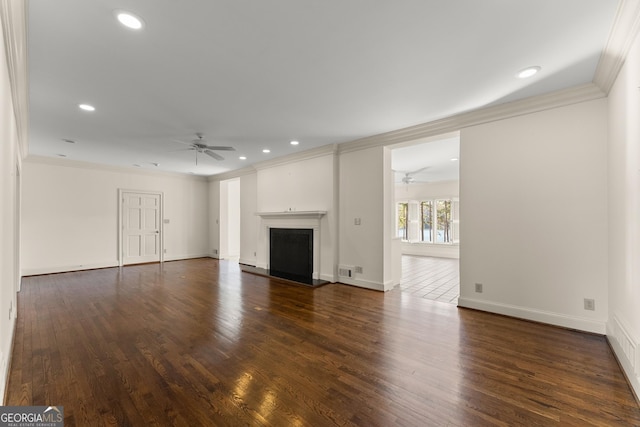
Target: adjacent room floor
{"type": "Point", "coordinates": [437, 279]}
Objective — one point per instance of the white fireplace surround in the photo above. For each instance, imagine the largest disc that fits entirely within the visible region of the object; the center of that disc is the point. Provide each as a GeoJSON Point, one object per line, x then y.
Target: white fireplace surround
{"type": "Point", "coordinates": [289, 219]}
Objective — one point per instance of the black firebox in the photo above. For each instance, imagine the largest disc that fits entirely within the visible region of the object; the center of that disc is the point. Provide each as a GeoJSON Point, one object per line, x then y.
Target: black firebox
{"type": "Point", "coordinates": [291, 253]}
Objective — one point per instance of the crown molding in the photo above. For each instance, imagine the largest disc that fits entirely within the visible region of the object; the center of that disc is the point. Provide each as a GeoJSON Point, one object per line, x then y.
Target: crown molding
{"type": "Point", "coordinates": [623, 33]}
{"type": "Point", "coordinates": [232, 174]}
{"type": "Point", "coordinates": [13, 16]}
{"type": "Point", "coordinates": [574, 95]}
{"type": "Point", "coordinates": [52, 161]}
{"type": "Point", "coordinates": [265, 164]}
{"type": "Point", "coordinates": [311, 153]}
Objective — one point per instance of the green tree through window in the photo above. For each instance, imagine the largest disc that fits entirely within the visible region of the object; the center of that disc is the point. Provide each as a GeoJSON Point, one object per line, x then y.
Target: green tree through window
{"type": "Point", "coordinates": [443, 212]}
{"type": "Point", "coordinates": [403, 220]}
{"type": "Point", "coordinates": [426, 212]}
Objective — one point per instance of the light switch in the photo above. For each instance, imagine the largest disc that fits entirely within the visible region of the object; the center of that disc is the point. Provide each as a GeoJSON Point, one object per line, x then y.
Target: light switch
{"type": "Point", "coordinates": [356, 221]}
{"type": "Point", "coordinates": [166, 221]}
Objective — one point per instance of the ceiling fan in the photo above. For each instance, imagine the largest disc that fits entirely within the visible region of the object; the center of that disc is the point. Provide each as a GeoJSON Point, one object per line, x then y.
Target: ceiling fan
{"type": "Point", "coordinates": [199, 146]}
{"type": "Point", "coordinates": [409, 178]}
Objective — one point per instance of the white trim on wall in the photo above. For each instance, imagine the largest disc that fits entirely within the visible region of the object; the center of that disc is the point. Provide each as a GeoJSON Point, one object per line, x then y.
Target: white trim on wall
{"type": "Point", "coordinates": [623, 32]}
{"type": "Point", "coordinates": [626, 346]}
{"type": "Point", "coordinates": [557, 319]}
{"type": "Point", "coordinates": [307, 220]}
{"type": "Point", "coordinates": [574, 95]}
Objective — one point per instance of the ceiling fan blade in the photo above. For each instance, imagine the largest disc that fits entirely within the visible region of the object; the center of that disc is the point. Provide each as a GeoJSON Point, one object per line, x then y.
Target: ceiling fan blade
{"type": "Point", "coordinates": [212, 154]}
{"type": "Point", "coordinates": [220, 148]}
{"type": "Point", "coordinates": [182, 142]}
{"type": "Point", "coordinates": [418, 171]}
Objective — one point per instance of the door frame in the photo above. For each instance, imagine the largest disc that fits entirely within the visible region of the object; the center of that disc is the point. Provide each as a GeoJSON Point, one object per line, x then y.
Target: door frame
{"type": "Point", "coordinates": [121, 193]}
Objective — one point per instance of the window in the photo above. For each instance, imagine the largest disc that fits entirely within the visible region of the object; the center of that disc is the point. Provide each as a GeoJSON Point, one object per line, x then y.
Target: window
{"type": "Point", "coordinates": [429, 221]}
{"type": "Point", "coordinates": [426, 213]}
{"type": "Point", "coordinates": [443, 221]}
{"type": "Point", "coordinates": [403, 221]}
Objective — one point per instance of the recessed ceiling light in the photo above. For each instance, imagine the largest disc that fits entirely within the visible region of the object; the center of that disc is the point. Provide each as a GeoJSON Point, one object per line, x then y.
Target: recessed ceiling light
{"type": "Point", "coordinates": [528, 72]}
{"type": "Point", "coordinates": [87, 107]}
{"type": "Point", "coordinates": [294, 143]}
{"type": "Point", "coordinates": [155, 164]}
{"type": "Point", "coordinates": [242, 158]}
{"type": "Point", "coordinates": [62, 155]}
{"type": "Point", "coordinates": [454, 159]}
{"type": "Point", "coordinates": [70, 141]}
{"type": "Point", "coordinates": [137, 165]}
{"type": "Point", "coordinates": [129, 20]}
{"type": "Point", "coordinates": [266, 150]}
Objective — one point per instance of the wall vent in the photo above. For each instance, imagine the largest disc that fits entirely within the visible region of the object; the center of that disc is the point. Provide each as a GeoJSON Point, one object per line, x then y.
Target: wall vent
{"type": "Point", "coordinates": [345, 271]}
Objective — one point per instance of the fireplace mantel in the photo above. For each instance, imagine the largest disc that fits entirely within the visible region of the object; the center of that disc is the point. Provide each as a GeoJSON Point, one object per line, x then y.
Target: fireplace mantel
{"type": "Point", "coordinates": [291, 214]}
{"type": "Point", "coordinates": [289, 219]}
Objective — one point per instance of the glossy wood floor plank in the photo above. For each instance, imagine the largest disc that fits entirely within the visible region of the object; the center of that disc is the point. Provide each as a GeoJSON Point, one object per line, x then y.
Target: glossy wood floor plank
{"type": "Point", "coordinates": [197, 342]}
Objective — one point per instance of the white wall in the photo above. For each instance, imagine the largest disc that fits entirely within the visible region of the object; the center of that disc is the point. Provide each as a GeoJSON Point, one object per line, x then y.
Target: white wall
{"type": "Point", "coordinates": [623, 327]}
{"type": "Point", "coordinates": [362, 178]}
{"type": "Point", "coordinates": [233, 219]}
{"type": "Point", "coordinates": [248, 219]}
{"type": "Point", "coordinates": [223, 224]}
{"type": "Point", "coordinates": [428, 191]}
{"type": "Point", "coordinates": [214, 218]}
{"type": "Point", "coordinates": [534, 216]}
{"type": "Point", "coordinates": [10, 165]}
{"type": "Point", "coordinates": [230, 219]}
{"type": "Point", "coordinates": [303, 185]}
{"type": "Point", "coordinates": [70, 214]}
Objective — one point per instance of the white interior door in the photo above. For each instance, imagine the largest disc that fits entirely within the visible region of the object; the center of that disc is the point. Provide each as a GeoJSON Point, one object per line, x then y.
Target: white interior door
{"type": "Point", "coordinates": [141, 231]}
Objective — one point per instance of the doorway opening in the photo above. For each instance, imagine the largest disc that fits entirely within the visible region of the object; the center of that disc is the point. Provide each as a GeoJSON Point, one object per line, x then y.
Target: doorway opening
{"type": "Point", "coordinates": [426, 197]}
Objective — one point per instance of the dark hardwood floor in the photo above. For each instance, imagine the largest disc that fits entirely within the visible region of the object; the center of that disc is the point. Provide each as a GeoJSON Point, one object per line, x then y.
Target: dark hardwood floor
{"type": "Point", "coordinates": [198, 343]}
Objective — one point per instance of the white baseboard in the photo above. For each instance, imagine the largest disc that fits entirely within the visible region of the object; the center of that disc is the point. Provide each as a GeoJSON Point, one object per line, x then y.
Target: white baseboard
{"type": "Point", "coordinates": [328, 277]}
{"type": "Point", "coordinates": [625, 346]}
{"type": "Point", "coordinates": [6, 350]}
{"type": "Point", "coordinates": [361, 283]}
{"type": "Point", "coordinates": [182, 257]}
{"type": "Point", "coordinates": [67, 268]}
{"type": "Point", "coordinates": [557, 319]}
{"type": "Point", "coordinates": [248, 261]}
{"type": "Point", "coordinates": [431, 250]}
{"type": "Point", "coordinates": [104, 264]}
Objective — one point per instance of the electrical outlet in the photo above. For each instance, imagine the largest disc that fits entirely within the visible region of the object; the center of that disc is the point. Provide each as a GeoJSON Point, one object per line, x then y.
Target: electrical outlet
{"type": "Point", "coordinates": [589, 304]}
{"type": "Point", "coordinates": [255, 254]}
{"type": "Point", "coordinates": [215, 252]}
{"type": "Point", "coordinates": [358, 269]}
{"type": "Point", "coordinates": [10, 309]}
{"type": "Point", "coordinates": [165, 251]}
{"type": "Point", "coordinates": [479, 288]}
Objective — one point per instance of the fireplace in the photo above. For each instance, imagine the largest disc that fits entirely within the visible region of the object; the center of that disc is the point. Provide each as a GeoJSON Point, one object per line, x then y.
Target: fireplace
{"type": "Point", "coordinates": [290, 220]}
{"type": "Point", "coordinates": [291, 253]}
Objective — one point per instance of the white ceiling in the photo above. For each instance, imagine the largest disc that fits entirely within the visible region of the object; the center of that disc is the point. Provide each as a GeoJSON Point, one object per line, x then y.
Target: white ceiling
{"type": "Point", "coordinates": [428, 161]}
{"type": "Point", "coordinates": [257, 74]}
